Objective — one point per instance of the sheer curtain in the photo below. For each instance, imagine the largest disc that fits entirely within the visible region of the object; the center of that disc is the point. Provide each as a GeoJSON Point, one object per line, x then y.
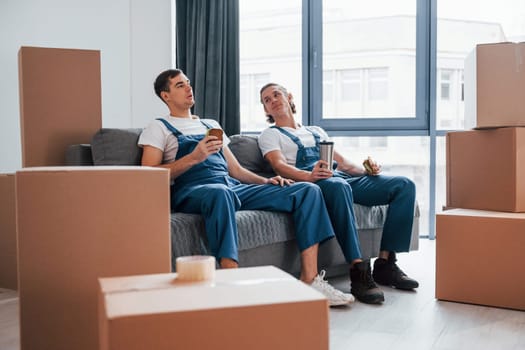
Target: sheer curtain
{"type": "Point", "coordinates": [207, 33]}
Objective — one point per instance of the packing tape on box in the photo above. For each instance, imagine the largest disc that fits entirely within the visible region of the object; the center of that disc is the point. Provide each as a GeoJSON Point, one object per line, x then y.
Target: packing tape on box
{"type": "Point", "coordinates": [195, 268]}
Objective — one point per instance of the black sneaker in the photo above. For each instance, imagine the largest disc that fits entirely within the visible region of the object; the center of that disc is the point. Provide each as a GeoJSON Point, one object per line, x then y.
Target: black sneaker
{"type": "Point", "coordinates": [363, 286]}
{"type": "Point", "coordinates": [387, 273]}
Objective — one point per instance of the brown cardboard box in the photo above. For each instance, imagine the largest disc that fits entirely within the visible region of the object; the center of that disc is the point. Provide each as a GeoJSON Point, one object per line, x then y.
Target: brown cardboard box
{"type": "Point", "coordinates": [60, 102]}
{"type": "Point", "coordinates": [495, 86]}
{"type": "Point", "coordinates": [76, 224]}
{"type": "Point", "coordinates": [248, 308]}
{"type": "Point", "coordinates": [479, 257]}
{"type": "Point", "coordinates": [8, 268]}
{"type": "Point", "coordinates": [485, 169]}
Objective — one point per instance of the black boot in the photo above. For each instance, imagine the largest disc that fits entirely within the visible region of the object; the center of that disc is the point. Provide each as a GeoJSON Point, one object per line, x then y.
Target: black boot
{"type": "Point", "coordinates": [363, 286]}
{"type": "Point", "coordinates": [387, 273]}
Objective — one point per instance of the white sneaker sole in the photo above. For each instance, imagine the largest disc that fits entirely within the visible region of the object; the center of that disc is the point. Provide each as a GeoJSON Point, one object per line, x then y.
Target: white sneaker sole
{"type": "Point", "coordinates": [350, 299]}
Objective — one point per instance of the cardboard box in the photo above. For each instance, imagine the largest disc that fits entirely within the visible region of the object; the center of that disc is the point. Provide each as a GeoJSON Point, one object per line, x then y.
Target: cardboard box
{"type": "Point", "coordinates": [485, 169]}
{"type": "Point", "coordinates": [78, 224]}
{"type": "Point", "coordinates": [495, 86]}
{"type": "Point", "coordinates": [479, 257]}
{"type": "Point", "coordinates": [8, 263]}
{"type": "Point", "coordinates": [60, 102]}
{"type": "Point", "coordinates": [247, 308]}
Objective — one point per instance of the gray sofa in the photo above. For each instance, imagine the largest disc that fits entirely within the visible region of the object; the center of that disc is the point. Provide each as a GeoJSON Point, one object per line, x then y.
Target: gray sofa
{"type": "Point", "coordinates": [265, 238]}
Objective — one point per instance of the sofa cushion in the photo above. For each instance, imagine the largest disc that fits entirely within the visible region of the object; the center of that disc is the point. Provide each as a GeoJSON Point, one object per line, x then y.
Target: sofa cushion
{"type": "Point", "coordinates": [116, 147]}
{"type": "Point", "coordinates": [119, 147]}
{"type": "Point", "coordinates": [247, 152]}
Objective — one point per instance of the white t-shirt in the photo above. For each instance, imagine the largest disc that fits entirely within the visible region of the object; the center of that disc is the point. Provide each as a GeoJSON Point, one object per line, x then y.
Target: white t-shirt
{"type": "Point", "coordinates": [157, 135]}
{"type": "Point", "coordinates": [272, 139]}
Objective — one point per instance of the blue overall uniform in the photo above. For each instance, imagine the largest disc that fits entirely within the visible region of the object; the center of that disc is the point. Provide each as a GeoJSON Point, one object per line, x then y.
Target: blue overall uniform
{"type": "Point", "coordinates": [341, 190]}
{"type": "Point", "coordinates": [207, 189]}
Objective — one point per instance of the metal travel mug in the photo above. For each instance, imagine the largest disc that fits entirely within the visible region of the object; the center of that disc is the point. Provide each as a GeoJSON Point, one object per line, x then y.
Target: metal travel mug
{"type": "Point", "coordinates": [326, 152]}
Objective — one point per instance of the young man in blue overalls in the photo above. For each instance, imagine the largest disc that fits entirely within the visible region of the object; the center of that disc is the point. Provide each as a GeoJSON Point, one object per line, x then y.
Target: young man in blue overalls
{"type": "Point", "coordinates": [293, 152]}
{"type": "Point", "coordinates": [207, 179]}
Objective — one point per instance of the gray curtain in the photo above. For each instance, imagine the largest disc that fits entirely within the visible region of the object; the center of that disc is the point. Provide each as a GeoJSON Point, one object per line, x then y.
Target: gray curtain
{"type": "Point", "coordinates": [208, 52]}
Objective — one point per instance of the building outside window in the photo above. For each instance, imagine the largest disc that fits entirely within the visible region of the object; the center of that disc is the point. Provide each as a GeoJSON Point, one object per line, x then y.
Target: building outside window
{"type": "Point", "coordinates": [349, 87]}
{"type": "Point", "coordinates": [377, 84]}
{"type": "Point", "coordinates": [446, 77]}
{"type": "Point", "coordinates": [250, 85]}
{"type": "Point", "coordinates": [270, 51]}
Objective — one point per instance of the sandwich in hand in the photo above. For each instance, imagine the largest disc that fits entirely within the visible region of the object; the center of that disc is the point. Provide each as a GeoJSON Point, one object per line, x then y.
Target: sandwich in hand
{"type": "Point", "coordinates": [371, 167]}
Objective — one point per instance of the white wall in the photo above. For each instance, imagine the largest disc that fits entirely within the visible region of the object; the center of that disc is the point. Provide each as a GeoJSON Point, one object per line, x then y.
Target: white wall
{"type": "Point", "coordinates": [133, 36]}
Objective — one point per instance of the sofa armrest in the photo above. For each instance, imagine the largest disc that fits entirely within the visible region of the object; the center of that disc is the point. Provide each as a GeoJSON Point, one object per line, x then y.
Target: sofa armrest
{"type": "Point", "coordinates": [79, 155]}
{"type": "Point", "coordinates": [116, 147]}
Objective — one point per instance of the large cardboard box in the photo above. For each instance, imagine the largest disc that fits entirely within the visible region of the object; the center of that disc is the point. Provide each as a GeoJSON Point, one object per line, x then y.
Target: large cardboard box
{"type": "Point", "coordinates": [485, 169]}
{"type": "Point", "coordinates": [479, 257]}
{"type": "Point", "coordinates": [495, 86]}
{"type": "Point", "coordinates": [60, 102]}
{"type": "Point", "coordinates": [8, 264]}
{"type": "Point", "coordinates": [78, 224]}
{"type": "Point", "coordinates": [248, 308]}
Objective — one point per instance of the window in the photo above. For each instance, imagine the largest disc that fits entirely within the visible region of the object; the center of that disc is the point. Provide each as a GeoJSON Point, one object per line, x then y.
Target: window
{"type": "Point", "coordinates": [329, 100]}
{"type": "Point", "coordinates": [328, 87]}
{"type": "Point", "coordinates": [243, 86]}
{"type": "Point", "coordinates": [350, 82]}
{"type": "Point", "coordinates": [445, 84]}
{"type": "Point", "coordinates": [366, 68]}
{"type": "Point", "coordinates": [370, 49]}
{"type": "Point", "coordinates": [460, 27]}
{"type": "Point", "coordinates": [398, 155]}
{"type": "Point", "coordinates": [449, 100]}
{"type": "Point", "coordinates": [377, 84]}
{"type": "Point", "coordinates": [270, 51]}
{"type": "Point", "coordinates": [378, 142]}
{"type": "Point", "coordinates": [354, 92]}
{"type": "Point", "coordinates": [250, 85]}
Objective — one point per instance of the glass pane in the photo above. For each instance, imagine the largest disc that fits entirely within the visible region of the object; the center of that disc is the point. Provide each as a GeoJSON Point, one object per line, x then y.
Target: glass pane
{"type": "Point", "coordinates": [350, 85]}
{"type": "Point", "coordinates": [376, 41]}
{"type": "Point", "coordinates": [461, 25]}
{"type": "Point", "coordinates": [378, 84]}
{"type": "Point", "coordinates": [407, 156]}
{"type": "Point", "coordinates": [328, 85]}
{"type": "Point", "coordinates": [243, 86]}
{"type": "Point", "coordinates": [269, 52]}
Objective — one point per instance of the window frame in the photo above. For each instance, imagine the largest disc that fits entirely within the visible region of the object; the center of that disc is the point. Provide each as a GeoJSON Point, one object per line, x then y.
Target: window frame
{"type": "Point", "coordinates": [424, 122]}
{"type": "Point", "coordinates": [312, 80]}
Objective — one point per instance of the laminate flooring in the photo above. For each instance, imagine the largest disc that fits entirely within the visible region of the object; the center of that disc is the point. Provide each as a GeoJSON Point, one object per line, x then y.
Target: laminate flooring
{"type": "Point", "coordinates": [406, 320]}
{"type": "Point", "coordinates": [416, 320]}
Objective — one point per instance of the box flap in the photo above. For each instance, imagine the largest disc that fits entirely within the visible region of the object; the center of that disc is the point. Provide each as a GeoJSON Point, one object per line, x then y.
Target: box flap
{"type": "Point", "coordinates": [162, 293]}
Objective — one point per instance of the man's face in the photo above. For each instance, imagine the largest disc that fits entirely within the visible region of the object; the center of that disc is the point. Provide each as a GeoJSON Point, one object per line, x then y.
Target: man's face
{"type": "Point", "coordinates": [275, 101]}
{"type": "Point", "coordinates": [181, 93]}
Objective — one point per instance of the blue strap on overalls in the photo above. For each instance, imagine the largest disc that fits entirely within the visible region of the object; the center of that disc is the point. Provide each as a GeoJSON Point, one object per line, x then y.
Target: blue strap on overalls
{"type": "Point", "coordinates": [212, 170]}
{"type": "Point", "coordinates": [306, 156]}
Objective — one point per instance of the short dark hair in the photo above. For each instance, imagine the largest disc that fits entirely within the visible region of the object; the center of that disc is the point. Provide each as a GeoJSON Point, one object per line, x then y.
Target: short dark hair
{"type": "Point", "coordinates": [269, 118]}
{"type": "Point", "coordinates": [162, 83]}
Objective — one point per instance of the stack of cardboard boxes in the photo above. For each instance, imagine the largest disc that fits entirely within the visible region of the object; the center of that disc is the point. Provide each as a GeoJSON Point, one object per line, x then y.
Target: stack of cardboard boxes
{"type": "Point", "coordinates": [66, 227]}
{"type": "Point", "coordinates": [480, 238]}
{"type": "Point", "coordinates": [72, 225]}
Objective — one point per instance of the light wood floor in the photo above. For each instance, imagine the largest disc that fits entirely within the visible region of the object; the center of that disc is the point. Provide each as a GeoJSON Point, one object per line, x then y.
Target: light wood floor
{"type": "Point", "coordinates": [407, 320]}
{"type": "Point", "coordinates": [416, 320]}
